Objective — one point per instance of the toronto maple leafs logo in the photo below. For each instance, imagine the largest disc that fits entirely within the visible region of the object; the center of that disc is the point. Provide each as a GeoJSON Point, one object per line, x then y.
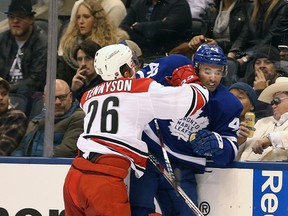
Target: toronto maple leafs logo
{"type": "Point", "coordinates": [184, 127]}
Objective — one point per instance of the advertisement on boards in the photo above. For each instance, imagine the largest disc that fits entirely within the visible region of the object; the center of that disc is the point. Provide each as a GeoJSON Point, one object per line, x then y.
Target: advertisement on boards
{"type": "Point", "coordinates": [270, 188]}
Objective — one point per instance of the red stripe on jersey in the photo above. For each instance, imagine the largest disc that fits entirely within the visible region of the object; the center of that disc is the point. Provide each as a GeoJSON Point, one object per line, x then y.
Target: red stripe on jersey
{"type": "Point", "coordinates": [201, 100]}
{"type": "Point", "coordinates": [198, 101]}
{"type": "Point", "coordinates": [138, 159]}
{"type": "Point", "coordinates": [116, 86]}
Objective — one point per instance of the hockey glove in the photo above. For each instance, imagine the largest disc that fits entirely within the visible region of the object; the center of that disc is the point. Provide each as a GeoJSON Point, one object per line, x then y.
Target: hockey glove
{"type": "Point", "coordinates": [206, 143]}
{"type": "Point", "coordinates": [183, 74]}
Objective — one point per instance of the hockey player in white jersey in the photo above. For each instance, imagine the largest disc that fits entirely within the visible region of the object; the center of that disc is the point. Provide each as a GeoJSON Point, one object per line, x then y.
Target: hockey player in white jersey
{"type": "Point", "coordinates": [116, 112]}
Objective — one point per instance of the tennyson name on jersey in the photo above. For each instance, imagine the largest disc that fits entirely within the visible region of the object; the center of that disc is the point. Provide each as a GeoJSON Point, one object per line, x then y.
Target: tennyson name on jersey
{"type": "Point", "coordinates": [120, 85]}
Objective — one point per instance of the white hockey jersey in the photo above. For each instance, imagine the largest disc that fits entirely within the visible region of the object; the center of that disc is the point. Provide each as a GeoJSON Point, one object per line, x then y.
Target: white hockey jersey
{"type": "Point", "coordinates": [116, 112]}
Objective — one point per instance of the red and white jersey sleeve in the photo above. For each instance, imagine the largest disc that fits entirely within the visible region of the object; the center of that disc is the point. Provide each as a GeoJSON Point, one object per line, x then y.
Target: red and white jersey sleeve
{"type": "Point", "coordinates": [116, 112]}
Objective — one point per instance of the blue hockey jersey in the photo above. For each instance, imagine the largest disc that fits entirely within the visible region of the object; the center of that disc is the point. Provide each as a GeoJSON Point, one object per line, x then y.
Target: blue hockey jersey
{"type": "Point", "coordinates": [220, 115]}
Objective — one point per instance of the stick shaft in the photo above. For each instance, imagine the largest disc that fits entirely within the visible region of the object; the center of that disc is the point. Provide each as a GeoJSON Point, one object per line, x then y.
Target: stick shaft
{"type": "Point", "coordinates": [178, 189]}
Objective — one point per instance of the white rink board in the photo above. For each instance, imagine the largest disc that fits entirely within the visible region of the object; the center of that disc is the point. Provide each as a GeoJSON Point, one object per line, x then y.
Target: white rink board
{"type": "Point", "coordinates": [36, 188]}
{"type": "Point", "coordinates": [226, 191]}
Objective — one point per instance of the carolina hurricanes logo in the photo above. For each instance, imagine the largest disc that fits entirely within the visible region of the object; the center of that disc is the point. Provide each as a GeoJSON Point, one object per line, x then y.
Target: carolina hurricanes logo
{"type": "Point", "coordinates": [182, 128]}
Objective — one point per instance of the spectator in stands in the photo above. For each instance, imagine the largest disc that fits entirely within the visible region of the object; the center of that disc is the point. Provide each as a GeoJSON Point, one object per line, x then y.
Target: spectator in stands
{"type": "Point", "coordinates": [115, 10]}
{"type": "Point", "coordinates": [13, 122]}
{"type": "Point", "coordinates": [262, 72]}
{"type": "Point", "coordinates": [88, 21]}
{"type": "Point", "coordinates": [198, 8]}
{"type": "Point", "coordinates": [246, 95]}
{"type": "Point", "coordinates": [157, 25]}
{"type": "Point", "coordinates": [267, 24]}
{"type": "Point", "coordinates": [137, 53]}
{"type": "Point", "coordinates": [86, 76]}
{"type": "Point", "coordinates": [23, 50]}
{"type": "Point", "coordinates": [68, 125]}
{"type": "Point", "coordinates": [284, 58]}
{"type": "Point", "coordinates": [284, 53]}
{"type": "Point", "coordinates": [224, 19]}
{"type": "Point", "coordinates": [270, 140]}
{"type": "Point", "coordinates": [248, 98]}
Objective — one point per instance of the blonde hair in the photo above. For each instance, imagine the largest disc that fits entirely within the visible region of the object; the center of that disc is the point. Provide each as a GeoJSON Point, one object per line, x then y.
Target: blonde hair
{"type": "Point", "coordinates": [256, 11]}
{"type": "Point", "coordinates": [103, 32]}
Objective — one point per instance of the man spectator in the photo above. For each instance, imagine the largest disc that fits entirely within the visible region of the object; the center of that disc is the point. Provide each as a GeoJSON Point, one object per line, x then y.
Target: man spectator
{"type": "Point", "coordinates": [246, 95]}
{"type": "Point", "coordinates": [157, 25]}
{"type": "Point", "coordinates": [261, 72]}
{"type": "Point", "coordinates": [13, 122]}
{"type": "Point", "coordinates": [86, 76]}
{"type": "Point", "coordinates": [248, 98]}
{"type": "Point", "coordinates": [68, 125]}
{"type": "Point", "coordinates": [23, 50]}
{"type": "Point", "coordinates": [270, 139]}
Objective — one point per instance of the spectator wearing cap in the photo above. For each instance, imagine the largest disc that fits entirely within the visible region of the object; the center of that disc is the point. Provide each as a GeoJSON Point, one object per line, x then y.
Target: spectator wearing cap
{"type": "Point", "coordinates": [248, 98]}
{"type": "Point", "coordinates": [270, 140]}
{"type": "Point", "coordinates": [246, 95]}
{"type": "Point", "coordinates": [13, 122]}
{"type": "Point", "coordinates": [265, 65]}
{"type": "Point", "coordinates": [262, 72]}
{"type": "Point", "coordinates": [23, 50]}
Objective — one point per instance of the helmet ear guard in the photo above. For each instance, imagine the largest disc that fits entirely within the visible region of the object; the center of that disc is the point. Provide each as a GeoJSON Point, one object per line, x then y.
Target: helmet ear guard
{"type": "Point", "coordinates": [109, 61]}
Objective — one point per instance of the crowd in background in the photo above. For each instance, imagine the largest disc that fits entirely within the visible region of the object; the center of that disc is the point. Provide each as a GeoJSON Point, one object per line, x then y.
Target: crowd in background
{"type": "Point", "coordinates": [252, 34]}
{"type": "Point", "coordinates": [237, 49]}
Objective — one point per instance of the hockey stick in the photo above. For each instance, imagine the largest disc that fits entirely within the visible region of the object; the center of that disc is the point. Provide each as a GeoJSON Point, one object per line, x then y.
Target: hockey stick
{"type": "Point", "coordinates": [178, 189]}
{"type": "Point", "coordinates": [166, 158]}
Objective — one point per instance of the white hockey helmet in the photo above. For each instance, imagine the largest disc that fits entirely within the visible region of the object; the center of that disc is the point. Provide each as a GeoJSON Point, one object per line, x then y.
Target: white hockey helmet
{"type": "Point", "coordinates": [109, 59]}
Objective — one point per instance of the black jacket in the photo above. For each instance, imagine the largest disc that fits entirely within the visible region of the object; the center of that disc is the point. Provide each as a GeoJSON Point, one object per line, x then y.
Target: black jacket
{"type": "Point", "coordinates": [33, 61]}
{"type": "Point", "coordinates": [273, 32]}
{"type": "Point", "coordinates": [238, 18]}
{"type": "Point", "coordinates": [165, 28]}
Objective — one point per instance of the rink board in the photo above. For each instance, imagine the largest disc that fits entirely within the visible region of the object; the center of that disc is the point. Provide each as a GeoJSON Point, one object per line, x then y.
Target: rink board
{"type": "Point", "coordinates": [33, 186]}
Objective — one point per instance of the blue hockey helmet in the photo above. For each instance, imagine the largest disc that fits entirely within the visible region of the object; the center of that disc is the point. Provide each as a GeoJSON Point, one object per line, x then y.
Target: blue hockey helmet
{"type": "Point", "coordinates": [211, 55]}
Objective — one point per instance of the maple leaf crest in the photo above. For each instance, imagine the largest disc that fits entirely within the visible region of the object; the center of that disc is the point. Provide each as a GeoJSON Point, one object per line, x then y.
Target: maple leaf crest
{"type": "Point", "coordinates": [184, 127]}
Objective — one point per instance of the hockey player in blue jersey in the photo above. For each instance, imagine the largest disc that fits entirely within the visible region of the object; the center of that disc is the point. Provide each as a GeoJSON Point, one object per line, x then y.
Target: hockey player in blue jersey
{"type": "Point", "coordinates": [214, 128]}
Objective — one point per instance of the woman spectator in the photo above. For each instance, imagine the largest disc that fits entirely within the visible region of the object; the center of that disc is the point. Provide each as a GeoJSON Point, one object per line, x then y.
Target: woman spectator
{"type": "Point", "coordinates": [268, 21]}
{"type": "Point", "coordinates": [88, 21]}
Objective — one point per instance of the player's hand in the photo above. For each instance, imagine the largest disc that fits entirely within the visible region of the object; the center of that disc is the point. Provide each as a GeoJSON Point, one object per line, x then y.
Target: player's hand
{"type": "Point", "coordinates": [183, 74]}
{"type": "Point", "coordinates": [206, 143]}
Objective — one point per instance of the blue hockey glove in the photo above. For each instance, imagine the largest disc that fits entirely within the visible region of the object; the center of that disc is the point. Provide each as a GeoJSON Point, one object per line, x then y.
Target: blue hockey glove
{"type": "Point", "coordinates": [206, 143]}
